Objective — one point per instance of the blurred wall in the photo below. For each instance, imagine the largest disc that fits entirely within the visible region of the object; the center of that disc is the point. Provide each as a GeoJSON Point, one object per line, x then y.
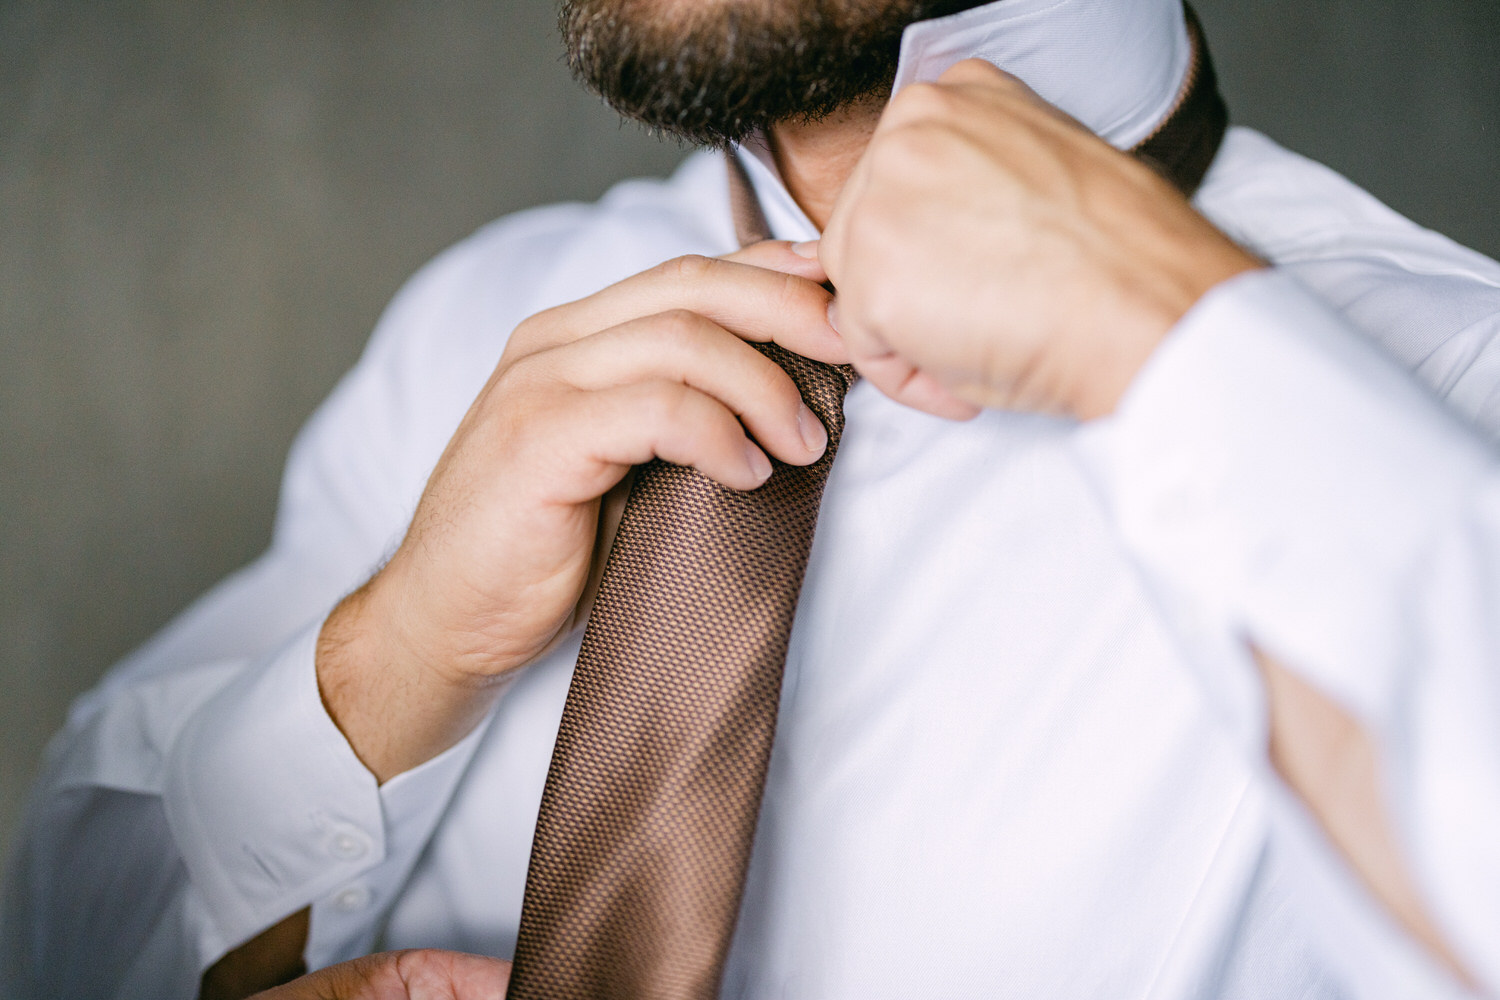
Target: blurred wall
{"type": "Point", "coordinates": [203, 208]}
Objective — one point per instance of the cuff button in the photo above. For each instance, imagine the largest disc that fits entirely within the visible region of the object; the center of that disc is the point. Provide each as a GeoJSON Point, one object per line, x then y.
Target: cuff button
{"type": "Point", "coordinates": [347, 845]}
{"type": "Point", "coordinates": [351, 898]}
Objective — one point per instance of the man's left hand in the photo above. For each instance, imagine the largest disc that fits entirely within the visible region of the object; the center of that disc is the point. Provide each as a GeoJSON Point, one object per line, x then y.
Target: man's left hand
{"type": "Point", "coordinates": [990, 252]}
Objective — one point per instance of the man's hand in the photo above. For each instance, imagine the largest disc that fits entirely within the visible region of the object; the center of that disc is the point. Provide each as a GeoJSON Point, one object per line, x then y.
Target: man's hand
{"type": "Point", "coordinates": [499, 551]}
{"type": "Point", "coordinates": [990, 252]}
{"type": "Point", "coordinates": [402, 975]}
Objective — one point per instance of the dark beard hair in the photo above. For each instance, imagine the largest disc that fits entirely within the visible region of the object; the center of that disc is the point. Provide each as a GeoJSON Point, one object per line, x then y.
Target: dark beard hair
{"type": "Point", "coordinates": [714, 71]}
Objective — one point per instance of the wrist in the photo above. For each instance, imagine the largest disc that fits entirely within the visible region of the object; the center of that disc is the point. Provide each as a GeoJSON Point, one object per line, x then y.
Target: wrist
{"type": "Point", "coordinates": [1196, 271]}
{"type": "Point", "coordinates": [395, 709]}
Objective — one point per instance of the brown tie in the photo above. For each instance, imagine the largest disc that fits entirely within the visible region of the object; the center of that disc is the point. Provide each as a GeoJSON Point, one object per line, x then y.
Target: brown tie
{"type": "Point", "coordinates": [649, 810]}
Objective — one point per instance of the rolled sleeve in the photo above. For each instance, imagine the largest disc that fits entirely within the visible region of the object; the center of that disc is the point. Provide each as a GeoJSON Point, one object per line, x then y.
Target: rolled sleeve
{"type": "Point", "coordinates": [348, 917]}
{"type": "Point", "coordinates": [1277, 476]}
{"type": "Point", "coordinates": [272, 811]}
{"type": "Point", "coordinates": [1293, 480]}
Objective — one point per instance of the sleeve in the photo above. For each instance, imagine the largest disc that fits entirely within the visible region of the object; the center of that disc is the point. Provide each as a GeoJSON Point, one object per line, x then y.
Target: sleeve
{"type": "Point", "coordinates": [1277, 477]}
{"type": "Point", "coordinates": [201, 793]}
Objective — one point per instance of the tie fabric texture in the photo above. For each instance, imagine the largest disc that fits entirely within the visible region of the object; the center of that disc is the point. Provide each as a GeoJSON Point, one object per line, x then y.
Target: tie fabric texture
{"type": "Point", "coordinates": [649, 810]}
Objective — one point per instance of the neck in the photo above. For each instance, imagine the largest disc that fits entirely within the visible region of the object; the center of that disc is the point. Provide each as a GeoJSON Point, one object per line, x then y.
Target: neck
{"type": "Point", "coordinates": [815, 158]}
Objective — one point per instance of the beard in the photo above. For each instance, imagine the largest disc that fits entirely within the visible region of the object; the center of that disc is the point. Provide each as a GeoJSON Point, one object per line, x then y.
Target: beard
{"type": "Point", "coordinates": [713, 71]}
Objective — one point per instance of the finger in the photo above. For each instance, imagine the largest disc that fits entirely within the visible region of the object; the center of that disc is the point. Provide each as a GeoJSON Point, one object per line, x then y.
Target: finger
{"type": "Point", "coordinates": [800, 259]}
{"type": "Point", "coordinates": [1007, 93]}
{"type": "Point", "coordinates": [980, 75]}
{"type": "Point", "coordinates": [982, 72]}
{"type": "Point", "coordinates": [631, 424]}
{"type": "Point", "coordinates": [897, 377]}
{"type": "Point", "coordinates": [909, 386]}
{"type": "Point", "coordinates": [432, 973]}
{"type": "Point", "coordinates": [682, 346]}
{"type": "Point", "coordinates": [833, 247]}
{"type": "Point", "coordinates": [756, 303]}
{"type": "Point", "coordinates": [370, 976]}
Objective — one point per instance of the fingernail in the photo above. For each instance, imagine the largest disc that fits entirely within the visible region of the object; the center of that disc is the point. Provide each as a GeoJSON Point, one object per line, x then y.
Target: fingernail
{"type": "Point", "coordinates": [814, 434]}
{"type": "Point", "coordinates": [833, 315]}
{"type": "Point", "coordinates": [759, 463]}
{"type": "Point", "coordinates": [808, 249]}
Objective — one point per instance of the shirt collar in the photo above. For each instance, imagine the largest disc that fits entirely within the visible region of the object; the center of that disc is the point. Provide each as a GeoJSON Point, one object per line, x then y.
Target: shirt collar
{"type": "Point", "coordinates": [1115, 65]}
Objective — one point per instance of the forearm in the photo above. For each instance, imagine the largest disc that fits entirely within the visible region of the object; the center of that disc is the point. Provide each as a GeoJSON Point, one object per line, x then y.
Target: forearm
{"type": "Point", "coordinates": [394, 710]}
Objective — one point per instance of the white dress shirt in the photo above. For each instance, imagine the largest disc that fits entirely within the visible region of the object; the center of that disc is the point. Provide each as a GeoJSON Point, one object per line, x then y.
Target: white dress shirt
{"type": "Point", "coordinates": [1021, 747]}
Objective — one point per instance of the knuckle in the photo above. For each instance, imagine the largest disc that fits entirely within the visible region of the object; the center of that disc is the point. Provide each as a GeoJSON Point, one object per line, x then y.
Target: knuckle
{"type": "Point", "coordinates": [877, 309]}
{"type": "Point", "coordinates": [975, 71]}
{"type": "Point", "coordinates": [513, 403]}
{"type": "Point", "coordinates": [520, 376]}
{"type": "Point", "coordinates": [794, 294]}
{"type": "Point", "coordinates": [546, 324]}
{"type": "Point", "coordinates": [412, 962]}
{"type": "Point", "coordinates": [676, 329]}
{"type": "Point", "coordinates": [908, 152]}
{"type": "Point", "coordinates": [872, 236]}
{"type": "Point", "coordinates": [922, 101]}
{"type": "Point", "coordinates": [688, 268]}
{"type": "Point", "coordinates": [669, 404]}
{"type": "Point", "coordinates": [777, 384]}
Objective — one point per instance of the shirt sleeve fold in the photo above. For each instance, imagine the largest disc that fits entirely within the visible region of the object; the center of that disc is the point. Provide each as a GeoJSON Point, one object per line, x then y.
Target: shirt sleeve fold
{"type": "Point", "coordinates": [169, 848]}
{"type": "Point", "coordinates": [266, 800]}
{"type": "Point", "coordinates": [201, 792]}
{"type": "Point", "coordinates": [1277, 475]}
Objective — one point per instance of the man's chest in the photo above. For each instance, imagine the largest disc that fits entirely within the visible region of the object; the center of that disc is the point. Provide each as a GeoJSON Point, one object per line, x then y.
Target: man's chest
{"type": "Point", "coordinates": [988, 751]}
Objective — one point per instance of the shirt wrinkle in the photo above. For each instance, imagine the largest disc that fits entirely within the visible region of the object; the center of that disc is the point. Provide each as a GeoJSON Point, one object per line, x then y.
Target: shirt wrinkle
{"type": "Point", "coordinates": [932, 794]}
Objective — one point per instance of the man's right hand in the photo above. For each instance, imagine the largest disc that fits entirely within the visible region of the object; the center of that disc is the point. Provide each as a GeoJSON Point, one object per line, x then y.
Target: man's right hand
{"type": "Point", "coordinates": [425, 974]}
{"type": "Point", "coordinates": [500, 548]}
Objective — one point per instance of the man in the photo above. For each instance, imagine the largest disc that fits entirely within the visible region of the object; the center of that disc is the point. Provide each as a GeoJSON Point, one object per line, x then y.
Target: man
{"type": "Point", "coordinates": [1147, 644]}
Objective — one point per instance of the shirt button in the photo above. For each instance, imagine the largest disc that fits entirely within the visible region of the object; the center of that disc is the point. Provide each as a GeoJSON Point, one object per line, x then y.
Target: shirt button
{"type": "Point", "coordinates": [349, 845]}
{"type": "Point", "coordinates": [352, 898]}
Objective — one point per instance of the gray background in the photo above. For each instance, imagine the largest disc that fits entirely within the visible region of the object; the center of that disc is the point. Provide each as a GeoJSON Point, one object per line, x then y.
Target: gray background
{"type": "Point", "coordinates": [203, 208]}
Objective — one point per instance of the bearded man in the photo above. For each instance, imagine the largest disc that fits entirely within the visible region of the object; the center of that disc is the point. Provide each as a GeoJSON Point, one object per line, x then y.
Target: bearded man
{"type": "Point", "coordinates": [1146, 645]}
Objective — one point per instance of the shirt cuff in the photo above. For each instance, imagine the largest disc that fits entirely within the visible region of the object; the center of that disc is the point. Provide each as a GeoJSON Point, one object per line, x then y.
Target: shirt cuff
{"type": "Point", "coordinates": [1286, 480]}
{"type": "Point", "coordinates": [272, 811]}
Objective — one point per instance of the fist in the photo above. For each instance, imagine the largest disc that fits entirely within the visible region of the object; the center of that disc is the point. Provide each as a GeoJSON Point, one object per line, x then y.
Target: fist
{"type": "Point", "coordinates": [510, 534]}
{"type": "Point", "coordinates": [990, 252]}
